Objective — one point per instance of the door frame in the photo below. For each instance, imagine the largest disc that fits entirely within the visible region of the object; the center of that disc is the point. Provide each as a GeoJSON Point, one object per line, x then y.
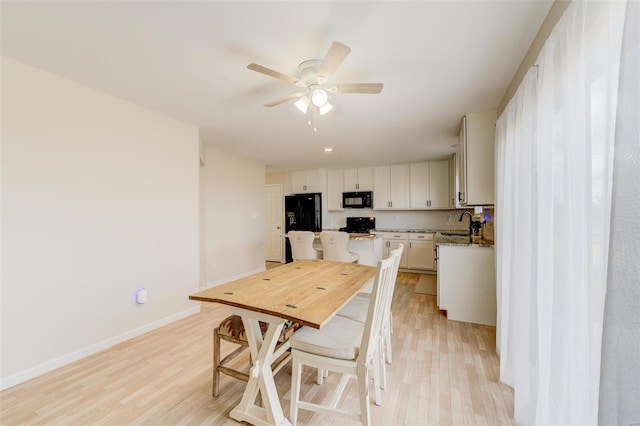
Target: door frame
{"type": "Point", "coordinates": [281, 220]}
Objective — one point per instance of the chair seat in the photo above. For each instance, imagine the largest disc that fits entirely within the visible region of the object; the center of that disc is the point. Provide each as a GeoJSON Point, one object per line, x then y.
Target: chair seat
{"type": "Point", "coordinates": [366, 290]}
{"type": "Point", "coordinates": [356, 309]}
{"type": "Point", "coordinates": [340, 338]}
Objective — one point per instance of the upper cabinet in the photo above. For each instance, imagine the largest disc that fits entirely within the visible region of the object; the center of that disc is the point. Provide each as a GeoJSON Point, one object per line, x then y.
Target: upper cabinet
{"type": "Point", "coordinates": [429, 185]}
{"type": "Point", "coordinates": [358, 179]}
{"type": "Point", "coordinates": [335, 187]}
{"type": "Point", "coordinates": [391, 187]}
{"type": "Point", "coordinates": [306, 181]}
{"type": "Point", "coordinates": [475, 159]}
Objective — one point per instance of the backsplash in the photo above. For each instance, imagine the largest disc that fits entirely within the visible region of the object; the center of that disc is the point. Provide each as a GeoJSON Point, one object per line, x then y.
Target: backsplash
{"type": "Point", "coordinates": [398, 220]}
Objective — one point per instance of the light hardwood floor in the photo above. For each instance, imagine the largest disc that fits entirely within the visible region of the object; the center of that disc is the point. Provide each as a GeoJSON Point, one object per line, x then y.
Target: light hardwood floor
{"type": "Point", "coordinates": [443, 373]}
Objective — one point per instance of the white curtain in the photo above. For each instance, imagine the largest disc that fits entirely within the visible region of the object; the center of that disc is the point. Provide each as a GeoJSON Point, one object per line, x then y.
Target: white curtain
{"type": "Point", "coordinates": [554, 151]}
{"type": "Point", "coordinates": [620, 366]}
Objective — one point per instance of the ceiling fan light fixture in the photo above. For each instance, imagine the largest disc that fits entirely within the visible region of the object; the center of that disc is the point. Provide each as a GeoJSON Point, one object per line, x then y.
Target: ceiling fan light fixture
{"type": "Point", "coordinates": [303, 104]}
{"type": "Point", "coordinates": [319, 97]}
{"type": "Point", "coordinates": [326, 108]}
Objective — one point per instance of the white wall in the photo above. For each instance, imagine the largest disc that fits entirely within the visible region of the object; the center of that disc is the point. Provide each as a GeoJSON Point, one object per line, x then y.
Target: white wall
{"type": "Point", "coordinates": [99, 198]}
{"type": "Point", "coordinates": [235, 237]}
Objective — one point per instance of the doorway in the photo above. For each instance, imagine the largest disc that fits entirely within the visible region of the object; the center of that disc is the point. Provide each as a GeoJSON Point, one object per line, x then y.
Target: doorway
{"type": "Point", "coordinates": [273, 225]}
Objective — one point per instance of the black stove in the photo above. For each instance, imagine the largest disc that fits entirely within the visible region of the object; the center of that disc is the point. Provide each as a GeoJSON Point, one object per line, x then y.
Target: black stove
{"type": "Point", "coordinates": [359, 225]}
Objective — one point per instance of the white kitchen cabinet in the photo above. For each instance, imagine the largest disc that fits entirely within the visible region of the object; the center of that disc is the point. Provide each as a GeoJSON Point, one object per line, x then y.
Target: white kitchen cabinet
{"type": "Point", "coordinates": [358, 179]}
{"type": "Point", "coordinates": [303, 181]}
{"type": "Point", "coordinates": [391, 187]}
{"type": "Point", "coordinates": [391, 241]}
{"type": "Point", "coordinates": [429, 185]}
{"type": "Point", "coordinates": [467, 283]}
{"type": "Point", "coordinates": [421, 251]}
{"type": "Point", "coordinates": [335, 187]}
{"type": "Point", "coordinates": [476, 146]}
{"type": "Point", "coordinates": [453, 182]}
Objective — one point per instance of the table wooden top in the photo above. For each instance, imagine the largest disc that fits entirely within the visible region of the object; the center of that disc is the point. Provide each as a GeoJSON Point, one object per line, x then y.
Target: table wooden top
{"type": "Point", "coordinates": [309, 292]}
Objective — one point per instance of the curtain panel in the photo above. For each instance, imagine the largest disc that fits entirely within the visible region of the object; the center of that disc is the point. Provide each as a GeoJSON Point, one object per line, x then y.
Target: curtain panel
{"type": "Point", "coordinates": [554, 160]}
{"type": "Point", "coordinates": [620, 365]}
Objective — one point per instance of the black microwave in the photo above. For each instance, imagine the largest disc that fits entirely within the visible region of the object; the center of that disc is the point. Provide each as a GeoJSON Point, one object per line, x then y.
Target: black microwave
{"type": "Point", "coordinates": [357, 200]}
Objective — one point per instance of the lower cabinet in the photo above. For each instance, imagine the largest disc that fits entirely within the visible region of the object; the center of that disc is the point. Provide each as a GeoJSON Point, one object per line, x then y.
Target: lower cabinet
{"type": "Point", "coordinates": [418, 250]}
{"type": "Point", "coordinates": [420, 253]}
{"type": "Point", "coordinates": [391, 242]}
{"type": "Point", "coordinates": [467, 283]}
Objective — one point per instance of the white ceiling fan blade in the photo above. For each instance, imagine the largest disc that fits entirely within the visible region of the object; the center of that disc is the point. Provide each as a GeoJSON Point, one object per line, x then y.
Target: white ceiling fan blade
{"type": "Point", "coordinates": [358, 88]}
{"type": "Point", "coordinates": [285, 99]}
{"type": "Point", "coordinates": [272, 73]}
{"type": "Point", "coordinates": [336, 54]}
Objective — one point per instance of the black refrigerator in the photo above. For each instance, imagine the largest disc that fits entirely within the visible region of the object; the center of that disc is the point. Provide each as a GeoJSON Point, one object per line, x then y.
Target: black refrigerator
{"type": "Point", "coordinates": [303, 212]}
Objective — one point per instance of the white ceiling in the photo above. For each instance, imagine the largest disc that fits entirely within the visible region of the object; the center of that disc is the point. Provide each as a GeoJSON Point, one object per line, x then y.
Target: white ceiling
{"type": "Point", "coordinates": [437, 59]}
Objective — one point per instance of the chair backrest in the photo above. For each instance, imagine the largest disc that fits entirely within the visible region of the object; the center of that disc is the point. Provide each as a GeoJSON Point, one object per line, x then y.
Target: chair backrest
{"type": "Point", "coordinates": [302, 245]}
{"type": "Point", "coordinates": [334, 246]}
{"type": "Point", "coordinates": [396, 254]}
{"type": "Point", "coordinates": [375, 314]}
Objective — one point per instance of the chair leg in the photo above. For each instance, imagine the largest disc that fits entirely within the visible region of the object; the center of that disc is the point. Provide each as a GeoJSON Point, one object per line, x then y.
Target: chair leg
{"type": "Point", "coordinates": [387, 337]}
{"type": "Point", "coordinates": [296, 377]}
{"type": "Point", "coordinates": [321, 375]}
{"type": "Point", "coordinates": [363, 393]}
{"type": "Point", "coordinates": [382, 365]}
{"type": "Point", "coordinates": [215, 388]}
{"type": "Point", "coordinates": [377, 384]}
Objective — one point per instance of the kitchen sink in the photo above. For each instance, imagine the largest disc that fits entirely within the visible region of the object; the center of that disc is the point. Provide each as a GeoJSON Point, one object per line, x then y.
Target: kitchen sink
{"type": "Point", "coordinates": [454, 234]}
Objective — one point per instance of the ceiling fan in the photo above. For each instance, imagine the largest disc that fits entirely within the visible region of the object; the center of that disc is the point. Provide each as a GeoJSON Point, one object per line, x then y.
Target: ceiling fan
{"type": "Point", "coordinates": [312, 78]}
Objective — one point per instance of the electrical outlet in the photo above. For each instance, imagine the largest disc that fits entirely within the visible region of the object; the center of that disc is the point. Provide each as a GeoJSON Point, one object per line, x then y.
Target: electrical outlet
{"type": "Point", "coordinates": [142, 296]}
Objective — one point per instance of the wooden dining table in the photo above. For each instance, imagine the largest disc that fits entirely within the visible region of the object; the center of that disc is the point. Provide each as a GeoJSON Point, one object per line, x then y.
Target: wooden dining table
{"type": "Point", "coordinates": [307, 292]}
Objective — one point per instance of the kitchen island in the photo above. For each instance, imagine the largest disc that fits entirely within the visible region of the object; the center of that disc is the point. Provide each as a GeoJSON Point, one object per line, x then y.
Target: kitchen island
{"type": "Point", "coordinates": [368, 247]}
{"type": "Point", "coordinates": [467, 279]}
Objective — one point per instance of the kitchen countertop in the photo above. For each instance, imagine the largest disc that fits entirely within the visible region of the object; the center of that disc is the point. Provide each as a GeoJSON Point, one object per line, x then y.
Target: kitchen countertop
{"type": "Point", "coordinates": [462, 241]}
{"type": "Point", "coordinates": [353, 236]}
{"type": "Point", "coordinates": [450, 237]}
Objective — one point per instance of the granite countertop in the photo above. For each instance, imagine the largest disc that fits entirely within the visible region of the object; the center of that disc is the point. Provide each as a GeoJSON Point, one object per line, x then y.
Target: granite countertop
{"type": "Point", "coordinates": [451, 240]}
{"type": "Point", "coordinates": [451, 237]}
{"type": "Point", "coordinates": [447, 237]}
{"type": "Point", "coordinates": [408, 230]}
{"type": "Point", "coordinates": [352, 236]}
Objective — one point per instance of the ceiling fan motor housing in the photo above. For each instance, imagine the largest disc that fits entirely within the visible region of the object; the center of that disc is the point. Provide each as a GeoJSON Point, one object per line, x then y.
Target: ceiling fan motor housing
{"type": "Point", "coordinates": [308, 71]}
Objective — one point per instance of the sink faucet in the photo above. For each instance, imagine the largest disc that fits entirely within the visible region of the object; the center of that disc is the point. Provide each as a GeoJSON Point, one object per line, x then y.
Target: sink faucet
{"type": "Point", "coordinates": [470, 221]}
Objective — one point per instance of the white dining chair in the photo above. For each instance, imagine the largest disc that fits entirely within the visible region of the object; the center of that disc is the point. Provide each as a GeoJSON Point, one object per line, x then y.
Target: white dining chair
{"type": "Point", "coordinates": [344, 346]}
{"type": "Point", "coordinates": [302, 245]}
{"type": "Point", "coordinates": [357, 309]}
{"type": "Point", "coordinates": [334, 247]}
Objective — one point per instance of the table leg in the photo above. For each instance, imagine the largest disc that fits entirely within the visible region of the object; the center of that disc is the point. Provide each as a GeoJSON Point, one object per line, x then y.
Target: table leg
{"type": "Point", "coordinates": [261, 375]}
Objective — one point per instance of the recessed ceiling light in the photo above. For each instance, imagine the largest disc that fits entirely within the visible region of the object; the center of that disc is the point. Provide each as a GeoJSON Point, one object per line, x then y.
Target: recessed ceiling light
{"type": "Point", "coordinates": [328, 150]}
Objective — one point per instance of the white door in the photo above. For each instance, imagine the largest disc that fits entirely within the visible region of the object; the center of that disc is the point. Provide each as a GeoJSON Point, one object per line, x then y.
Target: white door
{"type": "Point", "coordinates": [273, 218]}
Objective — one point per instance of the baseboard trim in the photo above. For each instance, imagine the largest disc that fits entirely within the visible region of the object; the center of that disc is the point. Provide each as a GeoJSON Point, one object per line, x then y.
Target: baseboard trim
{"type": "Point", "coordinates": [47, 366]}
